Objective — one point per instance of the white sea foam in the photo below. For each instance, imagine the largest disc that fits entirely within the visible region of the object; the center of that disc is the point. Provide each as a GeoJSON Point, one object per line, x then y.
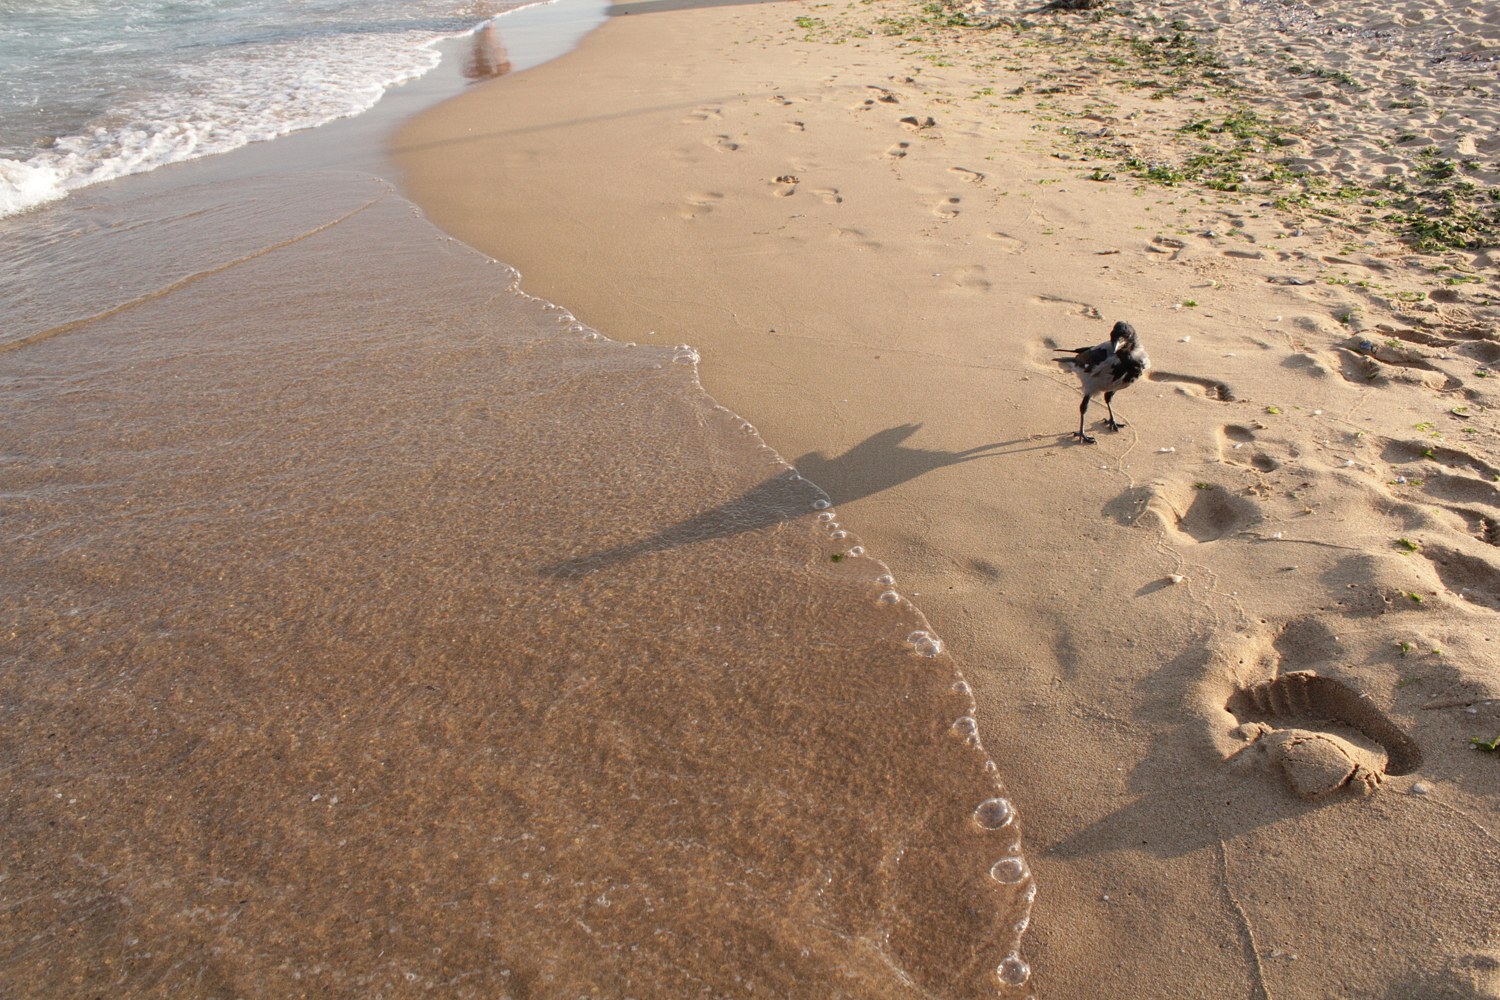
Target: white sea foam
{"type": "Point", "coordinates": [220, 103]}
{"type": "Point", "coordinates": [93, 90]}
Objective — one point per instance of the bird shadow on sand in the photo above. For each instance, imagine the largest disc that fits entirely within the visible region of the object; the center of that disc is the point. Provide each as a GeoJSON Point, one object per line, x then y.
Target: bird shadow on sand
{"type": "Point", "coordinates": [877, 463]}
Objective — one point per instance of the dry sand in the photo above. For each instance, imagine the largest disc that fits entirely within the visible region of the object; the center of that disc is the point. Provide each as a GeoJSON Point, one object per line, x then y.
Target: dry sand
{"type": "Point", "coordinates": [875, 239]}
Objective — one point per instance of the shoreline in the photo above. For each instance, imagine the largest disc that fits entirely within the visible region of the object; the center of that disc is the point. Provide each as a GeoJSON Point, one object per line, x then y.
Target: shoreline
{"type": "Point", "coordinates": [880, 298]}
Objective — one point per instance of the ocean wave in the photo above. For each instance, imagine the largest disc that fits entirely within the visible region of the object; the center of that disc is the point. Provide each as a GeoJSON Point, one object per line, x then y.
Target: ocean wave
{"type": "Point", "coordinates": [220, 103]}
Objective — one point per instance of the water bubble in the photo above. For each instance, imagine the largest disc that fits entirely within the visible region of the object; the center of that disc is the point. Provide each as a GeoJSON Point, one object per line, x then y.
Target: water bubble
{"type": "Point", "coordinates": [591, 335]}
{"type": "Point", "coordinates": [965, 725]}
{"type": "Point", "coordinates": [885, 580]}
{"type": "Point", "coordinates": [820, 504]}
{"type": "Point", "coordinates": [1013, 971]}
{"type": "Point", "coordinates": [925, 643]}
{"type": "Point", "coordinates": [686, 358]}
{"type": "Point", "coordinates": [826, 516]}
{"type": "Point", "coordinates": [962, 687]}
{"type": "Point", "coordinates": [1008, 870]}
{"type": "Point", "coordinates": [993, 814]}
{"type": "Point", "coordinates": [857, 550]}
{"type": "Point", "coordinates": [838, 534]}
{"type": "Point", "coordinates": [889, 597]}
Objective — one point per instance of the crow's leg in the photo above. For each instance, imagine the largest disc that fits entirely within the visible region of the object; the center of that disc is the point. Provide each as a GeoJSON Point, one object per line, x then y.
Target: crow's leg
{"type": "Point", "coordinates": [1082, 409]}
{"type": "Point", "coordinates": [1111, 423]}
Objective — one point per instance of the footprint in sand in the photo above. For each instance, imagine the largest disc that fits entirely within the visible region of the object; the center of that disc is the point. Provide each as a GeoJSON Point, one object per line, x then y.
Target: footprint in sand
{"type": "Point", "coordinates": [1346, 748]}
{"type": "Point", "coordinates": [829, 196]}
{"type": "Point", "coordinates": [699, 204]}
{"type": "Point", "coordinates": [720, 142]}
{"type": "Point", "coordinates": [969, 279]}
{"type": "Point", "coordinates": [1236, 447]}
{"type": "Point", "coordinates": [897, 151]}
{"type": "Point", "coordinates": [1071, 306]}
{"type": "Point", "coordinates": [795, 126]}
{"type": "Point", "coordinates": [1469, 578]}
{"type": "Point", "coordinates": [857, 237]}
{"type": "Point", "coordinates": [972, 176]}
{"type": "Point", "coordinates": [1194, 513]}
{"type": "Point", "coordinates": [1408, 361]}
{"type": "Point", "coordinates": [784, 186]}
{"type": "Point", "coordinates": [945, 208]}
{"type": "Point", "coordinates": [1483, 526]}
{"type": "Point", "coordinates": [1192, 385]}
{"type": "Point", "coordinates": [1008, 243]}
{"type": "Point", "coordinates": [703, 114]}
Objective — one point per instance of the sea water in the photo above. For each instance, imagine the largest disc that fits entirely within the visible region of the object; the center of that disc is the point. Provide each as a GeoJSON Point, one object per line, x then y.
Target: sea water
{"type": "Point", "coordinates": [98, 90]}
{"type": "Point", "coordinates": [369, 628]}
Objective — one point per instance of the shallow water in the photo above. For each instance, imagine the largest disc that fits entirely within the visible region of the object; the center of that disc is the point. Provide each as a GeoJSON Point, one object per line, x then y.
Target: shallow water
{"type": "Point", "coordinates": [371, 629]}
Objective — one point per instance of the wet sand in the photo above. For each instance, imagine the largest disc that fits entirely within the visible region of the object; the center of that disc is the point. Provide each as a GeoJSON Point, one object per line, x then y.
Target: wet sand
{"type": "Point", "coordinates": [372, 628]}
{"type": "Point", "coordinates": [875, 229]}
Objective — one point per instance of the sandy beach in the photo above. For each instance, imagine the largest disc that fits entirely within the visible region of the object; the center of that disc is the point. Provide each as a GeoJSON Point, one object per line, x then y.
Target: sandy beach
{"type": "Point", "coordinates": [627, 538]}
{"type": "Point", "coordinates": [1234, 659]}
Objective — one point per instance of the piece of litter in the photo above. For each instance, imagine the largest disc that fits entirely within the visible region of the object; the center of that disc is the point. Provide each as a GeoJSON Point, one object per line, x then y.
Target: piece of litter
{"type": "Point", "coordinates": [1348, 462]}
{"type": "Point", "coordinates": [1230, 355]}
{"type": "Point", "coordinates": [1277, 535]}
{"type": "Point", "coordinates": [1184, 340]}
{"type": "Point", "coordinates": [1316, 412]}
{"type": "Point", "coordinates": [1238, 447]}
{"type": "Point", "coordinates": [1165, 451]}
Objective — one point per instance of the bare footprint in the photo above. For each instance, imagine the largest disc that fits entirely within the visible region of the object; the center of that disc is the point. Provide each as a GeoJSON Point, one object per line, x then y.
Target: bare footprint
{"type": "Point", "coordinates": [1192, 385]}
{"type": "Point", "coordinates": [699, 204]}
{"type": "Point", "coordinates": [1201, 512]}
{"type": "Point", "coordinates": [857, 237]}
{"type": "Point", "coordinates": [1071, 306]}
{"type": "Point", "coordinates": [795, 126]}
{"type": "Point", "coordinates": [720, 142]}
{"type": "Point", "coordinates": [972, 176]}
{"type": "Point", "coordinates": [945, 208]}
{"type": "Point", "coordinates": [1236, 447]}
{"type": "Point", "coordinates": [970, 279]}
{"type": "Point", "coordinates": [897, 151]}
{"type": "Point", "coordinates": [706, 113]}
{"type": "Point", "coordinates": [784, 186]}
{"type": "Point", "coordinates": [828, 196]}
{"type": "Point", "coordinates": [1467, 577]}
{"type": "Point", "coordinates": [1008, 243]}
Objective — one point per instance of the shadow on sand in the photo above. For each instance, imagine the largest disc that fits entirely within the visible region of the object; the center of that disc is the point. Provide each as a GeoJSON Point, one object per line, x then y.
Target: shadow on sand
{"type": "Point", "coordinates": [875, 464]}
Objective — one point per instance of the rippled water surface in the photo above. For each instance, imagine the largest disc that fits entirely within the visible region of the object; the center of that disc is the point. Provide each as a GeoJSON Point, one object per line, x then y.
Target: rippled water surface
{"type": "Point", "coordinates": [370, 629]}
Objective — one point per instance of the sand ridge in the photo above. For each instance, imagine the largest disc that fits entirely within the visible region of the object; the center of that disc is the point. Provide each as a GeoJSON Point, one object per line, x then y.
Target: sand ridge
{"type": "Point", "coordinates": [875, 257]}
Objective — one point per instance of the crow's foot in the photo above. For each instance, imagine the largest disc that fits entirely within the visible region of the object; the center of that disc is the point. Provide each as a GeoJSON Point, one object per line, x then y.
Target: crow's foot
{"type": "Point", "coordinates": [1083, 437]}
{"type": "Point", "coordinates": [1113, 424]}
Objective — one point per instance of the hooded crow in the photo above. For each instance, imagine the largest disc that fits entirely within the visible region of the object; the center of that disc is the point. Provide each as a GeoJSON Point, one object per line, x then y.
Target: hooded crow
{"type": "Point", "coordinates": [1107, 368]}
